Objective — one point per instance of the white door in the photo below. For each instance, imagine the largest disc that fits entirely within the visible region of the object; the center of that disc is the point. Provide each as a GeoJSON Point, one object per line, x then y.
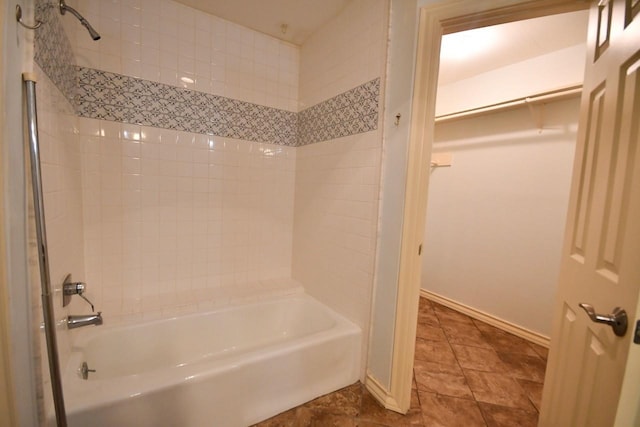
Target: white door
{"type": "Point", "coordinates": [601, 255]}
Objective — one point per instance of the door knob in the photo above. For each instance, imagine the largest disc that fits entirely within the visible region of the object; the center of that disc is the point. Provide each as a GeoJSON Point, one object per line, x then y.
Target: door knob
{"type": "Point", "coordinates": [617, 320]}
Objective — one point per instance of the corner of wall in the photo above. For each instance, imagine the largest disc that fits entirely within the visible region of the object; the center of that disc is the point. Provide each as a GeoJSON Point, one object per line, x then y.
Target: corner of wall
{"type": "Point", "coordinates": [398, 95]}
{"type": "Point", "coordinates": [342, 72]}
{"type": "Point", "coordinates": [382, 394]}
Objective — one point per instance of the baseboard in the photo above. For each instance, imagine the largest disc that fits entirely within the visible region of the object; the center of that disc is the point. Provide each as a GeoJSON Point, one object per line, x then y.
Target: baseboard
{"type": "Point", "coordinates": [381, 394]}
{"type": "Point", "coordinates": [492, 320]}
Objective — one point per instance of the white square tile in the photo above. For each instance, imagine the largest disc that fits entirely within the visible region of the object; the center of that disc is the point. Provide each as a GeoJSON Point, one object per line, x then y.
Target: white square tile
{"type": "Point", "coordinates": [231, 189]}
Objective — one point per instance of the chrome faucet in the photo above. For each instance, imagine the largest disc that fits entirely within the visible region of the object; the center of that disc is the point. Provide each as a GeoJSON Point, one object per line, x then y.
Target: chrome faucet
{"type": "Point", "coordinates": [77, 321]}
{"type": "Point", "coordinates": [70, 288]}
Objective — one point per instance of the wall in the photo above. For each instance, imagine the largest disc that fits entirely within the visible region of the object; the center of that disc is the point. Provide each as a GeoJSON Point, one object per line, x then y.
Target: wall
{"type": "Point", "coordinates": [7, 402]}
{"type": "Point", "coordinates": [554, 70]}
{"type": "Point", "coordinates": [187, 126]}
{"type": "Point", "coordinates": [346, 52]}
{"type": "Point", "coordinates": [160, 152]}
{"type": "Point", "coordinates": [16, 58]}
{"type": "Point", "coordinates": [130, 174]}
{"type": "Point", "coordinates": [188, 176]}
{"type": "Point", "coordinates": [135, 211]}
{"type": "Point", "coordinates": [60, 155]}
{"type": "Point", "coordinates": [177, 221]}
{"type": "Point", "coordinates": [337, 181]}
{"type": "Point", "coordinates": [167, 42]}
{"type": "Point", "coordinates": [60, 165]}
{"type": "Point", "coordinates": [495, 219]}
{"type": "Point", "coordinates": [399, 83]}
{"type": "Point", "coordinates": [61, 177]}
{"type": "Point", "coordinates": [493, 205]}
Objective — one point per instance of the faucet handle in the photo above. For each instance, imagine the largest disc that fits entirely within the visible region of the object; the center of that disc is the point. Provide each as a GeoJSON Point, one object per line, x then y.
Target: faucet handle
{"type": "Point", "coordinates": [74, 288]}
{"type": "Point", "coordinates": [87, 300]}
{"type": "Point", "coordinates": [70, 288]}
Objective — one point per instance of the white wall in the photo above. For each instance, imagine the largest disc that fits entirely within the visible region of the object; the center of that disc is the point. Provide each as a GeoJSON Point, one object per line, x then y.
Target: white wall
{"type": "Point", "coordinates": [142, 186]}
{"type": "Point", "coordinates": [554, 70]}
{"type": "Point", "coordinates": [174, 221]}
{"type": "Point", "coordinates": [495, 219]}
{"type": "Point", "coordinates": [346, 52]}
{"type": "Point", "coordinates": [337, 181]}
{"type": "Point", "coordinates": [177, 222]}
{"type": "Point", "coordinates": [165, 41]}
{"type": "Point", "coordinates": [399, 83]}
{"type": "Point", "coordinates": [134, 177]}
{"type": "Point", "coordinates": [60, 156]}
{"type": "Point", "coordinates": [16, 58]}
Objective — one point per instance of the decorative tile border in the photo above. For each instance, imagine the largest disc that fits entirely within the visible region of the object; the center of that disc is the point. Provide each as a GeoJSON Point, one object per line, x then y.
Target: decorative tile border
{"type": "Point", "coordinates": [52, 49]}
{"type": "Point", "coordinates": [109, 96]}
{"type": "Point", "coordinates": [349, 113]}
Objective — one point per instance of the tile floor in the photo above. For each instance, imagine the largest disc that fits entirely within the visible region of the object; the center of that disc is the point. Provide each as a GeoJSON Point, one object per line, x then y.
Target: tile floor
{"type": "Point", "coordinates": [466, 374]}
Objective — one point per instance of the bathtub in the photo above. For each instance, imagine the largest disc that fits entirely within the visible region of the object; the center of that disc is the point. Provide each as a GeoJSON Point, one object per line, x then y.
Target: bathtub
{"type": "Point", "coordinates": [229, 367]}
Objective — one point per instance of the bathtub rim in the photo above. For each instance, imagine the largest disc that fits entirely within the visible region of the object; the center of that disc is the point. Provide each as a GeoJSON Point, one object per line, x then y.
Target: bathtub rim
{"type": "Point", "coordinates": [79, 394]}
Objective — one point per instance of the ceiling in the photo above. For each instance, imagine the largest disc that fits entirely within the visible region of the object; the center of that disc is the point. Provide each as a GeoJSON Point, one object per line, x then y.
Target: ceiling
{"type": "Point", "coordinates": [302, 17]}
{"type": "Point", "coordinates": [473, 52]}
{"type": "Point", "coordinates": [487, 48]}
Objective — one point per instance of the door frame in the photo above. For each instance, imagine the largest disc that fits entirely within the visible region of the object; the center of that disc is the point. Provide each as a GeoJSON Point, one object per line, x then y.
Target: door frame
{"type": "Point", "coordinates": [434, 21]}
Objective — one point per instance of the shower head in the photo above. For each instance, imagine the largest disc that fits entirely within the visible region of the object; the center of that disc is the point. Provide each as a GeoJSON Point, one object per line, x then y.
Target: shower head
{"type": "Point", "coordinates": [64, 9]}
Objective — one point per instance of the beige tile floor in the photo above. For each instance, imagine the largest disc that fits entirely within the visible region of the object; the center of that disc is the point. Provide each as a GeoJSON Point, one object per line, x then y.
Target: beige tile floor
{"type": "Point", "coordinates": [466, 374]}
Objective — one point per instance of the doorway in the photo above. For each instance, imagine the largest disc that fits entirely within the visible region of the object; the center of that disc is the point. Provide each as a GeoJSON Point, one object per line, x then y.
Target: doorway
{"type": "Point", "coordinates": [500, 177]}
{"type": "Point", "coordinates": [501, 170]}
{"type": "Point", "coordinates": [434, 22]}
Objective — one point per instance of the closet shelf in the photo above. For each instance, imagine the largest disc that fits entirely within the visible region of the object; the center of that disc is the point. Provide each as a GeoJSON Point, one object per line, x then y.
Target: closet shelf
{"type": "Point", "coordinates": [555, 95]}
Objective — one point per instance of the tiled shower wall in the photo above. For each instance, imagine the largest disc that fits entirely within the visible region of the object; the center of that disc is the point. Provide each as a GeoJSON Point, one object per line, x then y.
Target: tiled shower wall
{"type": "Point", "coordinates": [61, 177]}
{"type": "Point", "coordinates": [197, 210]}
{"type": "Point", "coordinates": [337, 181]}
{"type": "Point", "coordinates": [176, 219]}
{"type": "Point", "coordinates": [60, 156]}
{"type": "Point", "coordinates": [164, 41]}
{"type": "Point", "coordinates": [347, 52]}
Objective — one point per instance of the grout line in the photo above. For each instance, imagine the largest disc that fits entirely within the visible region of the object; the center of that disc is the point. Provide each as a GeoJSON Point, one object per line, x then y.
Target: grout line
{"type": "Point", "coordinates": [525, 393]}
{"type": "Point", "coordinates": [459, 365]}
{"type": "Point", "coordinates": [467, 379]}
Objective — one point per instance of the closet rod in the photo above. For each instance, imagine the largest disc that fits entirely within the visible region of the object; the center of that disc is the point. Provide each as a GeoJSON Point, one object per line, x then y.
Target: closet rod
{"type": "Point", "coordinates": [555, 95]}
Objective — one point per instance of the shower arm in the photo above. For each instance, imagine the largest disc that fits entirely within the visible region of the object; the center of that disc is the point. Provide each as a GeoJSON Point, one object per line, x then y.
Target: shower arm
{"type": "Point", "coordinates": [64, 9]}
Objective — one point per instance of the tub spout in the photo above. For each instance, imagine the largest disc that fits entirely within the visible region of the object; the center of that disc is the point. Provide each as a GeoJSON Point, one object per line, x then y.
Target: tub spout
{"type": "Point", "coordinates": [84, 320]}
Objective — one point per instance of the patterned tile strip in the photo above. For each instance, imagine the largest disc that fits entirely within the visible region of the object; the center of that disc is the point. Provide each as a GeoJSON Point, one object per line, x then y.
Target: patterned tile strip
{"type": "Point", "coordinates": [52, 49]}
{"type": "Point", "coordinates": [109, 96]}
{"type": "Point", "coordinates": [349, 113]}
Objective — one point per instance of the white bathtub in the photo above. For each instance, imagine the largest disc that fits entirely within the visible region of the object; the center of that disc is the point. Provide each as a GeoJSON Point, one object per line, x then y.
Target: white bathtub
{"type": "Point", "coordinates": [230, 367]}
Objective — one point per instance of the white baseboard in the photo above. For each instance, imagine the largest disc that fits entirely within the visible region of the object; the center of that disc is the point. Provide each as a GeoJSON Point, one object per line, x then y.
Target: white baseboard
{"type": "Point", "coordinates": [381, 394]}
{"type": "Point", "coordinates": [492, 320]}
